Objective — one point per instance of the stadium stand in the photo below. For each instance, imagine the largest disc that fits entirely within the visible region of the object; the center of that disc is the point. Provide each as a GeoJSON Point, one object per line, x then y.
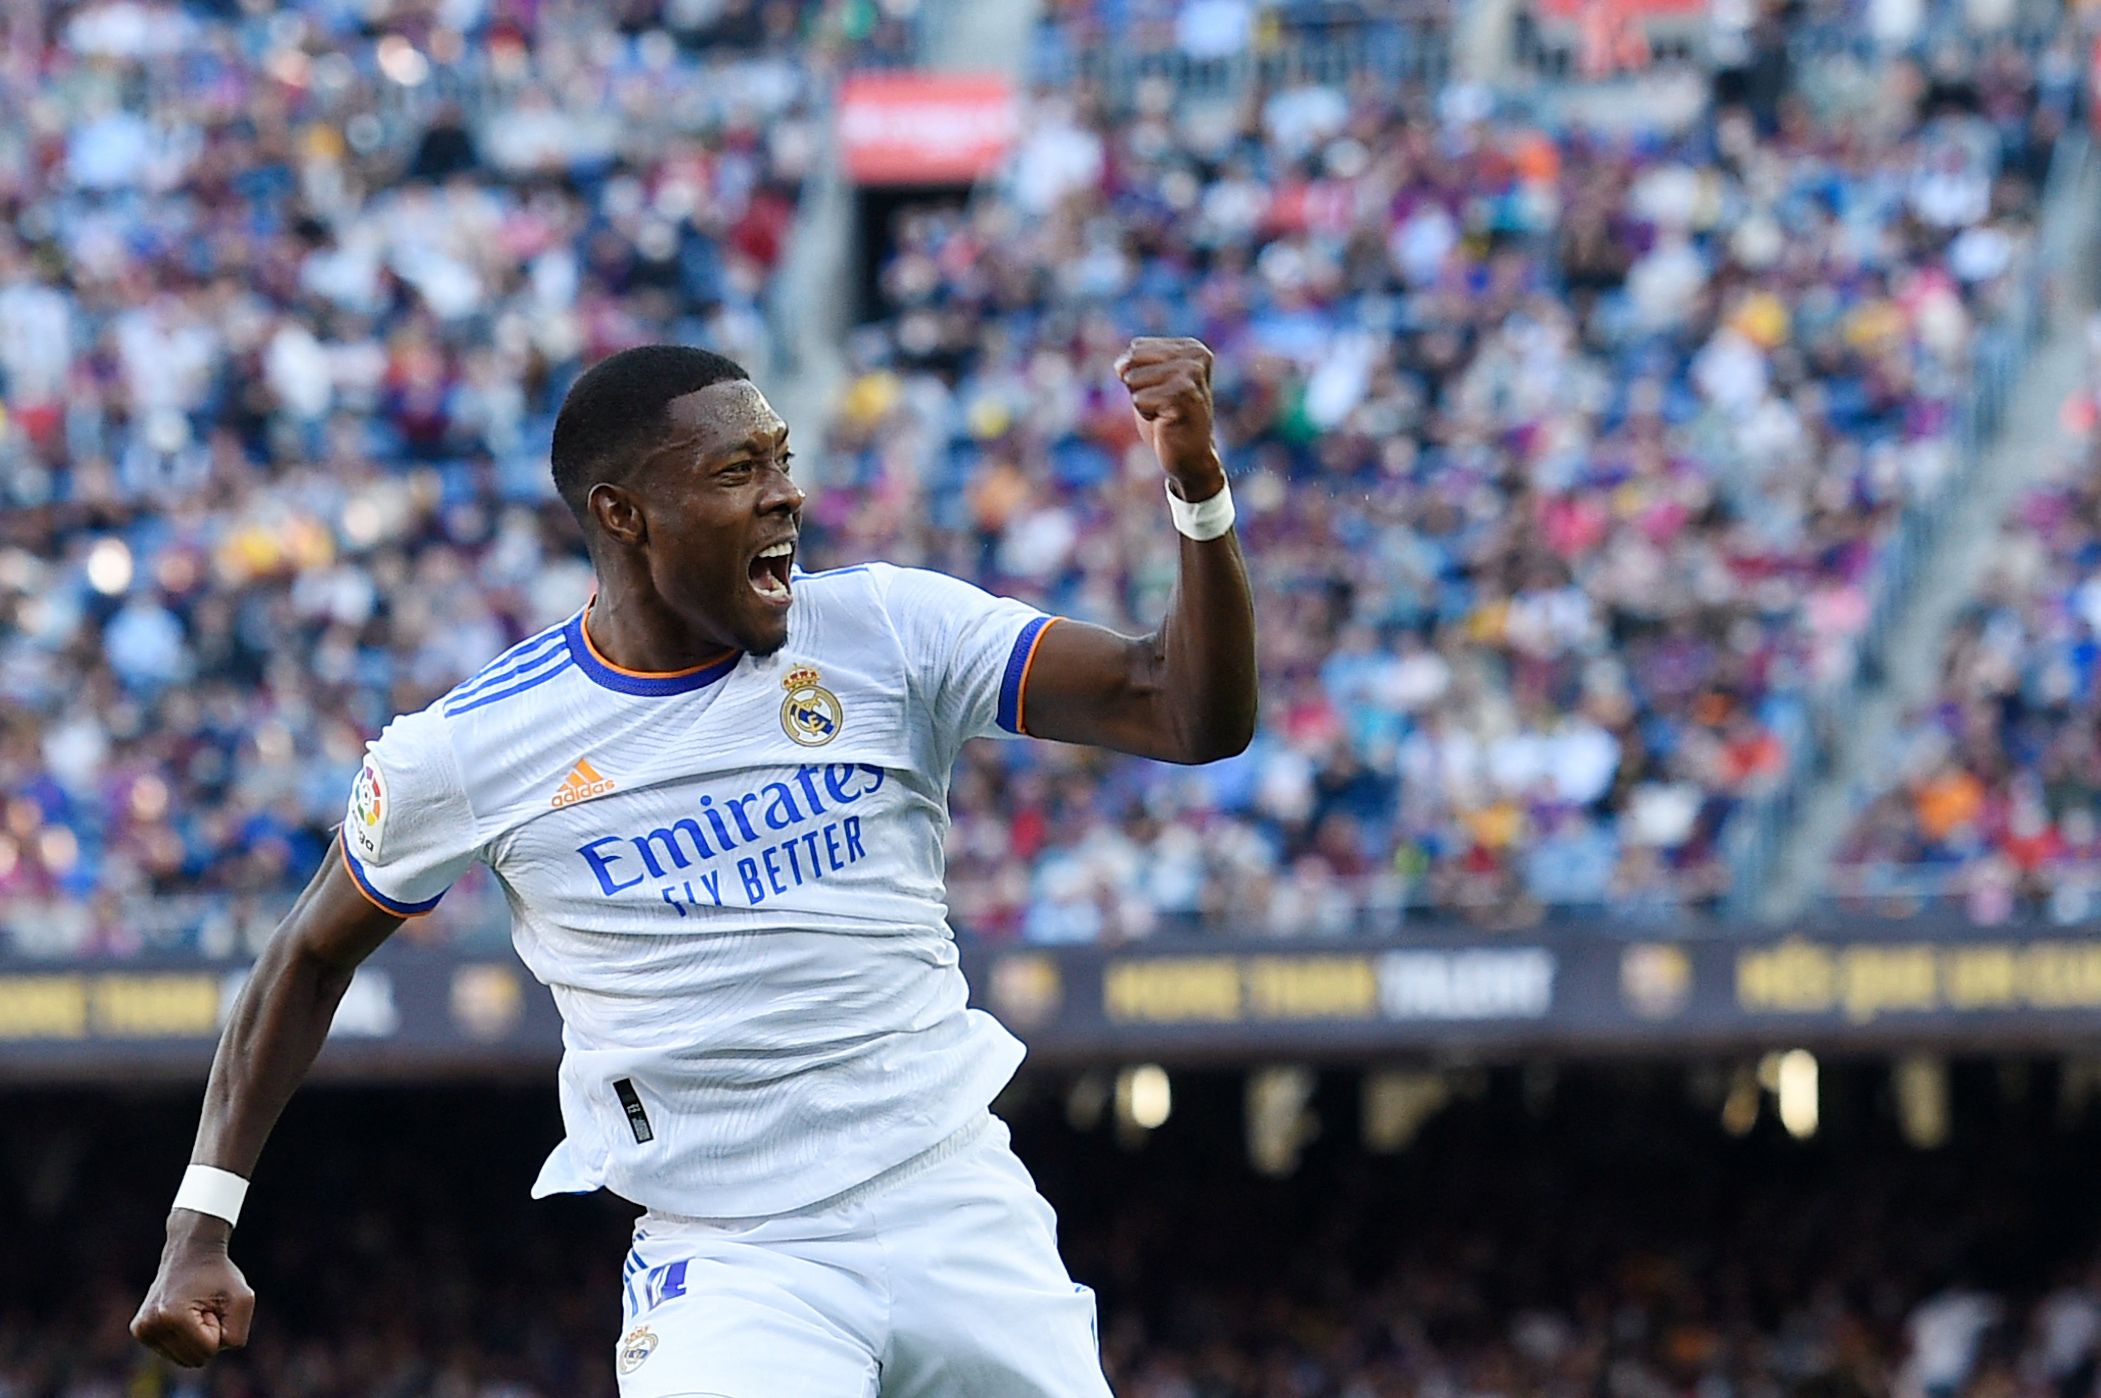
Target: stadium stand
{"type": "Point", "coordinates": [1599, 1234]}
{"type": "Point", "coordinates": [286, 306]}
{"type": "Point", "coordinates": [1580, 462]}
{"type": "Point", "coordinates": [1212, 47]}
{"type": "Point", "coordinates": [1572, 459]}
{"type": "Point", "coordinates": [1569, 457]}
{"type": "Point", "coordinates": [1998, 781]}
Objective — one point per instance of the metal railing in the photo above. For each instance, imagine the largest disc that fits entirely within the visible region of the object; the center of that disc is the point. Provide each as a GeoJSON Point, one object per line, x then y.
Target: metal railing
{"type": "Point", "coordinates": [1846, 31]}
{"type": "Point", "coordinates": [1941, 881]}
{"type": "Point", "coordinates": [2060, 895]}
{"type": "Point", "coordinates": [475, 915]}
{"type": "Point", "coordinates": [2002, 350]}
{"type": "Point", "coordinates": [1413, 51]}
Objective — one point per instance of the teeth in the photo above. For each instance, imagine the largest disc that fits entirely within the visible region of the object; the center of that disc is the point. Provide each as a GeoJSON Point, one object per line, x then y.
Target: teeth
{"type": "Point", "coordinates": [777, 551]}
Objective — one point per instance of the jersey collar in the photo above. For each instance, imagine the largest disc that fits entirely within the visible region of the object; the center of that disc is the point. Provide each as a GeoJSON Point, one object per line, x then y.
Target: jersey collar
{"type": "Point", "coordinates": [651, 683]}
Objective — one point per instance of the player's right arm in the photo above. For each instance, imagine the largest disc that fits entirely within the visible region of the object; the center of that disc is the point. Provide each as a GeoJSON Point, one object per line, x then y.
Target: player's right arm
{"type": "Point", "coordinates": [408, 833]}
{"type": "Point", "coordinates": [199, 1303]}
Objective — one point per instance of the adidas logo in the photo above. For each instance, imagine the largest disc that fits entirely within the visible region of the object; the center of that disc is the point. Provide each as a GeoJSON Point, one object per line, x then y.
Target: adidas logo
{"type": "Point", "coordinates": [582, 783]}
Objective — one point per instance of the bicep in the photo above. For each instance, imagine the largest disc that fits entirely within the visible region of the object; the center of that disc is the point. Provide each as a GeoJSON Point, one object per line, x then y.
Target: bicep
{"type": "Point", "coordinates": [1087, 684]}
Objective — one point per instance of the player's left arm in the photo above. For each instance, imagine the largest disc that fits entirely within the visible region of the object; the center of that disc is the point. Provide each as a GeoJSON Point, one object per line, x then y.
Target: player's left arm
{"type": "Point", "coordinates": [1185, 693]}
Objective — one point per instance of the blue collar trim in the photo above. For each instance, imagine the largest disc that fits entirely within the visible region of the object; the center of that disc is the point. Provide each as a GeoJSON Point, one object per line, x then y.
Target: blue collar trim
{"type": "Point", "coordinates": [608, 676]}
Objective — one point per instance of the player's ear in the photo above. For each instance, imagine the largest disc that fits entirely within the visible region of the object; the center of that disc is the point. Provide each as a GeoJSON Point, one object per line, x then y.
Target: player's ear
{"type": "Point", "coordinates": [618, 512]}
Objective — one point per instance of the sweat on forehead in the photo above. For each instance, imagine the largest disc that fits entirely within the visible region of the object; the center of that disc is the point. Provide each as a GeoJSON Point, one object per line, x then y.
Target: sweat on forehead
{"type": "Point", "coordinates": [724, 414]}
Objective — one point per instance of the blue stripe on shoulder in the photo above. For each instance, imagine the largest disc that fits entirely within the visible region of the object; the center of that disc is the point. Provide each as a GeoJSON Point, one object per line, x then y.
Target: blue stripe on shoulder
{"type": "Point", "coordinates": [495, 681]}
{"type": "Point", "coordinates": [801, 575]}
{"type": "Point", "coordinates": [525, 654]}
{"type": "Point", "coordinates": [535, 642]}
{"type": "Point", "coordinates": [489, 695]}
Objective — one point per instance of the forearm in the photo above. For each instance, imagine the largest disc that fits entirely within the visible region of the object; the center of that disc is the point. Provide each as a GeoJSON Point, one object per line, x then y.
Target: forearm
{"type": "Point", "coordinates": [279, 1022]}
{"type": "Point", "coordinates": [1186, 693]}
{"type": "Point", "coordinates": [278, 1026]}
{"type": "Point", "coordinates": [1205, 653]}
{"type": "Point", "coordinates": [199, 1304]}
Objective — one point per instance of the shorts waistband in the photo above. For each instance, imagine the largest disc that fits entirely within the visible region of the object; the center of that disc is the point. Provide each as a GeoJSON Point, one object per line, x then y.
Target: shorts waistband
{"type": "Point", "coordinates": [947, 1148]}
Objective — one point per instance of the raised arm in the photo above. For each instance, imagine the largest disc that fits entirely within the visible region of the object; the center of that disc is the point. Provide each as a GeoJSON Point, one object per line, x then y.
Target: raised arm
{"type": "Point", "coordinates": [199, 1304]}
{"type": "Point", "coordinates": [1186, 693]}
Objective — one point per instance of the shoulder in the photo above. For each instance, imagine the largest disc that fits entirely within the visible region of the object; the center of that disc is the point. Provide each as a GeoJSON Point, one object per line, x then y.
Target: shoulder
{"type": "Point", "coordinates": [877, 577]}
{"type": "Point", "coordinates": [484, 734]}
{"type": "Point", "coordinates": [844, 613]}
{"type": "Point", "coordinates": [833, 586]}
{"type": "Point", "coordinates": [526, 666]}
{"type": "Point", "coordinates": [854, 601]}
{"type": "Point", "coordinates": [899, 591]}
{"type": "Point", "coordinates": [914, 608]}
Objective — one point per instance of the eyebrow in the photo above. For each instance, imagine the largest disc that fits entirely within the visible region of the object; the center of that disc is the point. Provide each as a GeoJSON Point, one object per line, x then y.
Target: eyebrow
{"type": "Point", "coordinates": [759, 441]}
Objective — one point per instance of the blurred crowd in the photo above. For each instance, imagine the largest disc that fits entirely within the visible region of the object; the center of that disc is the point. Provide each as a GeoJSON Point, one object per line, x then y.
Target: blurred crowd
{"type": "Point", "coordinates": [1566, 462]}
{"type": "Point", "coordinates": [1996, 804]}
{"type": "Point", "coordinates": [287, 300]}
{"type": "Point", "coordinates": [1531, 1240]}
{"type": "Point", "coordinates": [1565, 457]}
{"type": "Point", "coordinates": [1551, 1238]}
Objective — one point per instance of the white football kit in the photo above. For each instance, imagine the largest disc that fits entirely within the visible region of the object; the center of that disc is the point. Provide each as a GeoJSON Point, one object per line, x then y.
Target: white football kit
{"type": "Point", "coordinates": [731, 878]}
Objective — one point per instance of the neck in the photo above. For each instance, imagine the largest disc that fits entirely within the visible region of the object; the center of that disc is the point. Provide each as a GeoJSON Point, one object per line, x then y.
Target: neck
{"type": "Point", "coordinates": [637, 631]}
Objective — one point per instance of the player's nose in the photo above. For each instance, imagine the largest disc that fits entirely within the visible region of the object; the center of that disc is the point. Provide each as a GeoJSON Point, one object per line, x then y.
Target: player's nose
{"type": "Point", "coordinates": [781, 494]}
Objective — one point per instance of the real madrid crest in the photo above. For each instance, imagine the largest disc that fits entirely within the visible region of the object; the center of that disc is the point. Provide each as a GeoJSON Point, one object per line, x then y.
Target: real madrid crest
{"type": "Point", "coordinates": [810, 714]}
{"type": "Point", "coordinates": [639, 1344]}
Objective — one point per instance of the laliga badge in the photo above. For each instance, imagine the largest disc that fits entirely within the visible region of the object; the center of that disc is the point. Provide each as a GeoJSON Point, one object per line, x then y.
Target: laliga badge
{"type": "Point", "coordinates": [810, 714]}
{"type": "Point", "coordinates": [641, 1342]}
{"type": "Point", "coordinates": [368, 810]}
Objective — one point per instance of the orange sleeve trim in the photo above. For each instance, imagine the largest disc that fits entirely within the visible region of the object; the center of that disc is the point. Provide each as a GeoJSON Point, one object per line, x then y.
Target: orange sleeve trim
{"type": "Point", "coordinates": [357, 881]}
{"type": "Point", "coordinates": [1021, 690]}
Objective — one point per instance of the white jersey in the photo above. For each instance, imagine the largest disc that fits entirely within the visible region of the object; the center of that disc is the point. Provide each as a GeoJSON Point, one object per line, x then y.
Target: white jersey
{"type": "Point", "coordinates": [731, 877]}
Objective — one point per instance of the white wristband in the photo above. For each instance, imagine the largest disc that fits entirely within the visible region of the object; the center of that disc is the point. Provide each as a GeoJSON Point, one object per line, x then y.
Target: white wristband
{"type": "Point", "coordinates": [1205, 519]}
{"type": "Point", "coordinates": [207, 1189]}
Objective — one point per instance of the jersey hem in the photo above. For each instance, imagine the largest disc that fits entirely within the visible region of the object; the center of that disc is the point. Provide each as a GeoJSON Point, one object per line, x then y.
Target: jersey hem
{"type": "Point", "coordinates": [997, 1057]}
{"type": "Point", "coordinates": [962, 1139]}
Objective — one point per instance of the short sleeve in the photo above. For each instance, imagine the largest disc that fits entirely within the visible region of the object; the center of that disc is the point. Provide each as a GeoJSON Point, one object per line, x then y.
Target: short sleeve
{"type": "Point", "coordinates": [409, 831]}
{"type": "Point", "coordinates": [968, 651]}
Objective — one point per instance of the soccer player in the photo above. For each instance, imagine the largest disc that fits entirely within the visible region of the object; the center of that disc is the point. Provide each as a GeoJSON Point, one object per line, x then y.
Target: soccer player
{"type": "Point", "coordinates": [716, 799]}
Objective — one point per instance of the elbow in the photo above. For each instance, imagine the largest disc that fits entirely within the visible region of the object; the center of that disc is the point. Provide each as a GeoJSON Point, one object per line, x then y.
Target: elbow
{"type": "Point", "coordinates": [291, 968]}
{"type": "Point", "coordinates": [1193, 713]}
{"type": "Point", "coordinates": [1222, 737]}
{"type": "Point", "coordinates": [1230, 744]}
{"type": "Point", "coordinates": [303, 961]}
{"type": "Point", "coordinates": [320, 969]}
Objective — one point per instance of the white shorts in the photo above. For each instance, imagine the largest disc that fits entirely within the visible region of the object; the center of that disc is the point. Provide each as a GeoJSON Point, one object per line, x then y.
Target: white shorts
{"type": "Point", "coordinates": [937, 1279]}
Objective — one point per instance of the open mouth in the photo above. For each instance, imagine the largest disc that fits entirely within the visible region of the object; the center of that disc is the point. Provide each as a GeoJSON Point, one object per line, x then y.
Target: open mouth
{"type": "Point", "coordinates": [769, 571]}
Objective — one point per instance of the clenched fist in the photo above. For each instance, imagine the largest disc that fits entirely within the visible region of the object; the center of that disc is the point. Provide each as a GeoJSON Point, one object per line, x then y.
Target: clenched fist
{"type": "Point", "coordinates": [1170, 384]}
{"type": "Point", "coordinates": [198, 1306]}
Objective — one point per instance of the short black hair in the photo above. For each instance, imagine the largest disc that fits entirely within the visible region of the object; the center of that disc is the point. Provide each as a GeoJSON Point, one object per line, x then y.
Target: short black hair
{"type": "Point", "coordinates": [617, 406]}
